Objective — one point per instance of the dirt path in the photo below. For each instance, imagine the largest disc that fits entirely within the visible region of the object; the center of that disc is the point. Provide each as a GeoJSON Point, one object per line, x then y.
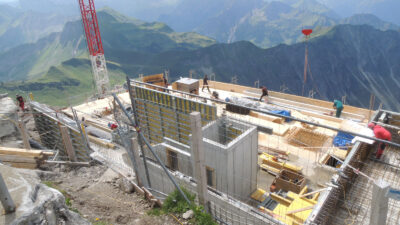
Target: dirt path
{"type": "Point", "coordinates": [95, 194]}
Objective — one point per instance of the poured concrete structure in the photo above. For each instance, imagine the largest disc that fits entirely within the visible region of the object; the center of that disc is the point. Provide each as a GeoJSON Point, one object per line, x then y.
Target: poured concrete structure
{"type": "Point", "coordinates": [232, 163]}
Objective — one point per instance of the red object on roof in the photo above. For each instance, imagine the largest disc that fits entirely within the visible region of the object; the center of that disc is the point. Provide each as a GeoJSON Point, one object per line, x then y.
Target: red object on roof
{"type": "Point", "coordinates": [307, 31]}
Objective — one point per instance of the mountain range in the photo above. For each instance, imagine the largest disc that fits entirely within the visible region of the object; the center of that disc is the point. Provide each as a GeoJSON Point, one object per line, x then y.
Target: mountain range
{"type": "Point", "coordinates": [19, 27]}
{"type": "Point", "coordinates": [355, 59]}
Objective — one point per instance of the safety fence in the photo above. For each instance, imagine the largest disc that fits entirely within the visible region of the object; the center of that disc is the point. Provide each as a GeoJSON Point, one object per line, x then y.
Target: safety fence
{"type": "Point", "coordinates": [56, 130]}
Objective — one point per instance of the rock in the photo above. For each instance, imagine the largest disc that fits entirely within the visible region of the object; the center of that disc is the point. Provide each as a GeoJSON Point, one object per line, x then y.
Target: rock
{"type": "Point", "coordinates": [126, 186]}
{"type": "Point", "coordinates": [109, 176]}
{"type": "Point", "coordinates": [188, 215]}
{"type": "Point", "coordinates": [8, 109]}
{"type": "Point", "coordinates": [3, 95]}
{"type": "Point", "coordinates": [36, 202]}
{"type": "Point", "coordinates": [122, 219]}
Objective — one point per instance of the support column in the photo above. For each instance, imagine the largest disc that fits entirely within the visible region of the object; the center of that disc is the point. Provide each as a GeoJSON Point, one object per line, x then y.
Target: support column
{"type": "Point", "coordinates": [24, 134]}
{"type": "Point", "coordinates": [68, 143]}
{"type": "Point", "coordinates": [198, 158]}
{"type": "Point", "coordinates": [134, 155]}
{"type": "Point", "coordinates": [5, 197]}
{"type": "Point", "coordinates": [379, 203]}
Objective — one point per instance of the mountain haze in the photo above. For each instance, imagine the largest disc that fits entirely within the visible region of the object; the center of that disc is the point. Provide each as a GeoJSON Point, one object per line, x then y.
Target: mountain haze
{"type": "Point", "coordinates": [118, 33]}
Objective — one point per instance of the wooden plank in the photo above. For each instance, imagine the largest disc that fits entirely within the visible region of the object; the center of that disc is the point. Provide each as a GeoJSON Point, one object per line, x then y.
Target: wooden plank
{"type": "Point", "coordinates": [92, 123]}
{"type": "Point", "coordinates": [101, 142]}
{"type": "Point", "coordinates": [300, 210]}
{"type": "Point", "coordinates": [267, 117]}
{"type": "Point", "coordinates": [24, 134]}
{"type": "Point", "coordinates": [313, 192]}
{"type": "Point", "coordinates": [68, 163]}
{"type": "Point", "coordinates": [22, 165]}
{"type": "Point", "coordinates": [18, 159]}
{"type": "Point", "coordinates": [19, 151]}
{"type": "Point", "coordinates": [67, 143]}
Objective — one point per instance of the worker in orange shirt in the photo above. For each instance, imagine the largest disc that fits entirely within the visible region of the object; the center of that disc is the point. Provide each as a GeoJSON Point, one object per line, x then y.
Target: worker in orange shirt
{"type": "Point", "coordinates": [380, 133]}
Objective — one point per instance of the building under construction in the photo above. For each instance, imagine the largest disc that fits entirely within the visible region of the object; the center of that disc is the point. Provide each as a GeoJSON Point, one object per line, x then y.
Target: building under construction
{"type": "Point", "coordinates": [286, 160]}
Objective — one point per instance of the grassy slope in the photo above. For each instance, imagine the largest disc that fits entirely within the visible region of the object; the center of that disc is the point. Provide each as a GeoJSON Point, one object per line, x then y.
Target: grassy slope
{"type": "Point", "coordinates": [67, 84]}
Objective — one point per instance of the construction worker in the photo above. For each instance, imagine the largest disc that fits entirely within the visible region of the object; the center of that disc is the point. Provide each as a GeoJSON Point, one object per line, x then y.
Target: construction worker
{"type": "Point", "coordinates": [338, 105]}
{"type": "Point", "coordinates": [205, 83]}
{"type": "Point", "coordinates": [21, 102]}
{"type": "Point", "coordinates": [165, 81]}
{"type": "Point", "coordinates": [380, 133]}
{"type": "Point", "coordinates": [264, 92]}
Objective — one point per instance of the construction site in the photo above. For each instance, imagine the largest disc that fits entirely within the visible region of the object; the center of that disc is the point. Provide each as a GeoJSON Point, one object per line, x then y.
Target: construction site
{"type": "Point", "coordinates": [281, 159]}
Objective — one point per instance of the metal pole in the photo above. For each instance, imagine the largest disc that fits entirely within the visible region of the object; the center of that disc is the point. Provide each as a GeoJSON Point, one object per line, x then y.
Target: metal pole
{"type": "Point", "coordinates": [277, 115]}
{"type": "Point", "coordinates": [151, 149]}
{"type": "Point", "coordinates": [138, 124]}
{"type": "Point", "coordinates": [5, 197]}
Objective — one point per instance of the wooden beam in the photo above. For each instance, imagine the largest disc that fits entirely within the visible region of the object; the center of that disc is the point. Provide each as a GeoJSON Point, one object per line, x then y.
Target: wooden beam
{"type": "Point", "coordinates": [22, 165]}
{"type": "Point", "coordinates": [18, 159]}
{"type": "Point", "coordinates": [100, 142]}
{"type": "Point", "coordinates": [68, 163]}
{"type": "Point", "coordinates": [68, 143]}
{"type": "Point", "coordinates": [300, 210]}
{"type": "Point", "coordinates": [19, 151]}
{"type": "Point", "coordinates": [313, 192]}
{"type": "Point", "coordinates": [24, 134]}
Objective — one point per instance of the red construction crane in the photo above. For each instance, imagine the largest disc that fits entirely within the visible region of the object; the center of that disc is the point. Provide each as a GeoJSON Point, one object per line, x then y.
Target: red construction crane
{"type": "Point", "coordinates": [95, 46]}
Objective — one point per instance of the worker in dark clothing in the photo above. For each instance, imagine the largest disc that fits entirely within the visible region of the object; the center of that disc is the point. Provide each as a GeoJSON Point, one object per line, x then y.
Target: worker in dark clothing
{"type": "Point", "coordinates": [21, 102]}
{"type": "Point", "coordinates": [165, 81]}
{"type": "Point", "coordinates": [264, 92]}
{"type": "Point", "coordinates": [338, 105]}
{"type": "Point", "coordinates": [205, 83]}
{"type": "Point", "coordinates": [380, 133]}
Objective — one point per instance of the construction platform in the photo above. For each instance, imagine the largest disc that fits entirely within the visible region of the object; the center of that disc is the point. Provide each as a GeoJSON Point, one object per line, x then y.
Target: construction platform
{"type": "Point", "coordinates": [297, 161]}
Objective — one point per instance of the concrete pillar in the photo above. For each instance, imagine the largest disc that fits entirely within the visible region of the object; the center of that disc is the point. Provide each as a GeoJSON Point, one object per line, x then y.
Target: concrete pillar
{"type": "Point", "coordinates": [24, 134]}
{"type": "Point", "coordinates": [134, 155]}
{"type": "Point", "coordinates": [68, 143]}
{"type": "Point", "coordinates": [379, 203]}
{"type": "Point", "coordinates": [5, 197]}
{"type": "Point", "coordinates": [198, 158]}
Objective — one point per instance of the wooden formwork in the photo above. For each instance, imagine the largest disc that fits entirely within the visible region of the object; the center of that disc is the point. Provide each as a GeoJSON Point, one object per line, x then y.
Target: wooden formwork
{"type": "Point", "coordinates": [306, 138]}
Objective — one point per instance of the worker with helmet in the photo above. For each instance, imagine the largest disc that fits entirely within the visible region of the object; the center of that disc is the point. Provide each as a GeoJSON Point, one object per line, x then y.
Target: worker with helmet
{"type": "Point", "coordinates": [338, 105]}
{"type": "Point", "coordinates": [381, 133]}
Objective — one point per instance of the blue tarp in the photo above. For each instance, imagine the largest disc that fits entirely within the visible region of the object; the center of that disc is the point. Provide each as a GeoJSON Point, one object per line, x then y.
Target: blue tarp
{"type": "Point", "coordinates": [283, 112]}
{"type": "Point", "coordinates": [342, 139]}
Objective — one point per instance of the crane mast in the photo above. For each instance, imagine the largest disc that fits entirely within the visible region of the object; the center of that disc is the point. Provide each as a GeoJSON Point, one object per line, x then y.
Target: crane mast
{"type": "Point", "coordinates": [95, 46]}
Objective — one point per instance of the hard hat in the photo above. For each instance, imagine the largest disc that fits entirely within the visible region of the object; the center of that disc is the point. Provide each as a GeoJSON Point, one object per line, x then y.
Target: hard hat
{"type": "Point", "coordinates": [371, 125]}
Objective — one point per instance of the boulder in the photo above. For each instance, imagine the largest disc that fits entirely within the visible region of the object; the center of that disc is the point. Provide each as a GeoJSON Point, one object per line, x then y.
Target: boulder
{"type": "Point", "coordinates": [36, 203]}
{"type": "Point", "coordinates": [188, 215]}
{"type": "Point", "coordinates": [126, 186]}
{"type": "Point", "coordinates": [8, 115]}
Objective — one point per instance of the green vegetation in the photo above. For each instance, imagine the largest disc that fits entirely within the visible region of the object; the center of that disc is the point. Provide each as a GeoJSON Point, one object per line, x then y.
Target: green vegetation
{"type": "Point", "coordinates": [176, 204]}
{"type": "Point", "coordinates": [70, 83]}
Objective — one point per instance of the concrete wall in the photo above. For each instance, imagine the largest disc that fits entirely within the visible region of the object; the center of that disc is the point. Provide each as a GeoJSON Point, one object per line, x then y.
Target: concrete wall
{"type": "Point", "coordinates": [222, 206]}
{"type": "Point", "coordinates": [235, 165]}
